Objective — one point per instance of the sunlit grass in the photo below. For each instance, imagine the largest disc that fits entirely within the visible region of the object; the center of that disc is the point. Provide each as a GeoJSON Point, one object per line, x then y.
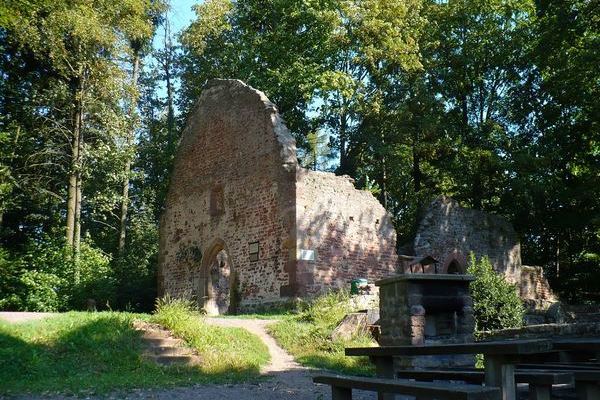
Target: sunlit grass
{"type": "Point", "coordinates": [307, 336]}
{"type": "Point", "coordinates": [85, 353]}
{"type": "Point", "coordinates": [223, 350]}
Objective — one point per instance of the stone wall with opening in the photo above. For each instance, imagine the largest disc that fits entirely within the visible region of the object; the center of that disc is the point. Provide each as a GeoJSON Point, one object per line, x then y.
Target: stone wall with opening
{"type": "Point", "coordinates": [233, 190]}
{"type": "Point", "coordinates": [449, 232]}
{"type": "Point", "coordinates": [245, 226]}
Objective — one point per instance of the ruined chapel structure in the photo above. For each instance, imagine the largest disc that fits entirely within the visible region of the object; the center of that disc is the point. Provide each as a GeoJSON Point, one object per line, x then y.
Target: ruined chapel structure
{"type": "Point", "coordinates": [448, 232]}
{"type": "Point", "coordinates": [245, 225]}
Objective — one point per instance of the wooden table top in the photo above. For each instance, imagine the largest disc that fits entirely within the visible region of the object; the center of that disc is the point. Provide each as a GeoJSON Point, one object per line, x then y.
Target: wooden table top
{"type": "Point", "coordinates": [589, 344]}
{"type": "Point", "coordinates": [501, 347]}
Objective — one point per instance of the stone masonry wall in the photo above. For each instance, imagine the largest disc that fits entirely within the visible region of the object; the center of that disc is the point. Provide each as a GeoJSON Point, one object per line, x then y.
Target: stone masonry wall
{"type": "Point", "coordinates": [535, 289]}
{"type": "Point", "coordinates": [349, 231]}
{"type": "Point", "coordinates": [233, 184]}
{"type": "Point", "coordinates": [237, 188]}
{"type": "Point", "coordinates": [450, 232]}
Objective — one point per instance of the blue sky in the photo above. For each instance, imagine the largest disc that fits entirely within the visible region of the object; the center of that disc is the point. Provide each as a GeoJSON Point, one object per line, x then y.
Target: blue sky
{"type": "Point", "coordinates": [181, 13]}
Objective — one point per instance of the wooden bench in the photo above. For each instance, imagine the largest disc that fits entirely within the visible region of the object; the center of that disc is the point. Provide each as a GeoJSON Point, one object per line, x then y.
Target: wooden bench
{"type": "Point", "coordinates": [587, 381]}
{"type": "Point", "coordinates": [341, 388]}
{"type": "Point", "coordinates": [561, 365]}
{"type": "Point", "coordinates": [500, 358]}
{"type": "Point", "coordinates": [540, 383]}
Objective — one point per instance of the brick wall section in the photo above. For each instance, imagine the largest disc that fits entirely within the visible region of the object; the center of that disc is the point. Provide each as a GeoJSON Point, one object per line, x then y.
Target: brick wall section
{"type": "Point", "coordinates": [534, 288]}
{"type": "Point", "coordinates": [449, 231]}
{"type": "Point", "coordinates": [235, 143]}
{"type": "Point", "coordinates": [236, 181]}
{"type": "Point", "coordinates": [349, 230]}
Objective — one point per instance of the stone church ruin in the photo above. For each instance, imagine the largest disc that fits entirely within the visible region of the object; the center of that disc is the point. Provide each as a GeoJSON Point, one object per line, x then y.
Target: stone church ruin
{"type": "Point", "coordinates": [245, 225]}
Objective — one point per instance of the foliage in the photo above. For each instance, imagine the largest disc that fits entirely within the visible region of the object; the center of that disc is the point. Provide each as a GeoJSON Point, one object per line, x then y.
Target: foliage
{"type": "Point", "coordinates": [229, 351]}
{"type": "Point", "coordinates": [492, 102]}
{"type": "Point", "coordinates": [47, 278]}
{"type": "Point", "coordinates": [172, 312]}
{"type": "Point", "coordinates": [84, 354]}
{"type": "Point", "coordinates": [59, 57]}
{"type": "Point", "coordinates": [307, 336]}
{"type": "Point", "coordinates": [300, 54]}
{"type": "Point", "coordinates": [496, 303]}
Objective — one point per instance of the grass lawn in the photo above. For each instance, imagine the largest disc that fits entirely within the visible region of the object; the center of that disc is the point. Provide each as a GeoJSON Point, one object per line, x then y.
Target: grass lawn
{"type": "Point", "coordinates": [224, 350]}
{"type": "Point", "coordinates": [307, 337]}
{"type": "Point", "coordinates": [84, 353]}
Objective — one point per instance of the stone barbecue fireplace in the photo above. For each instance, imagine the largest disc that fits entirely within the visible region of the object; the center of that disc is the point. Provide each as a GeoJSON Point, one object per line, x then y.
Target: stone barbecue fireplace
{"type": "Point", "coordinates": [420, 309]}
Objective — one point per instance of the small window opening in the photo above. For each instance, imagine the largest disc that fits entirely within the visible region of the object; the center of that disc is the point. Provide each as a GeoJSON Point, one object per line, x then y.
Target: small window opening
{"type": "Point", "coordinates": [216, 201]}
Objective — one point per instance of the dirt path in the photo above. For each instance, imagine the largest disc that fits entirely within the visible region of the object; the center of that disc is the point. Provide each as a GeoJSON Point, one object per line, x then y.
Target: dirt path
{"type": "Point", "coordinates": [280, 359]}
{"type": "Point", "coordinates": [15, 317]}
{"type": "Point", "coordinates": [287, 379]}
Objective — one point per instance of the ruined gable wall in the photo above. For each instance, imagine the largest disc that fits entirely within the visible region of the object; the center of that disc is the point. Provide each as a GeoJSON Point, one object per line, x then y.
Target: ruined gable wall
{"type": "Point", "coordinates": [350, 232]}
{"type": "Point", "coordinates": [236, 150]}
{"type": "Point", "coordinates": [449, 231]}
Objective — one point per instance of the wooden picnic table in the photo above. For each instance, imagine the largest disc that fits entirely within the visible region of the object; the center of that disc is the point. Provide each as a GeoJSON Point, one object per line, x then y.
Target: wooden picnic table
{"type": "Point", "coordinates": [500, 358]}
{"type": "Point", "coordinates": [577, 344]}
{"type": "Point", "coordinates": [577, 349]}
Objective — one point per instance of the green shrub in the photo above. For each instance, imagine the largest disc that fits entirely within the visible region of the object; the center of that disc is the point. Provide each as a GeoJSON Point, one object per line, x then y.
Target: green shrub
{"type": "Point", "coordinates": [172, 312]}
{"type": "Point", "coordinates": [46, 277]}
{"type": "Point", "coordinates": [135, 270]}
{"type": "Point", "coordinates": [10, 284]}
{"type": "Point", "coordinates": [328, 310]}
{"type": "Point", "coordinates": [41, 291]}
{"type": "Point", "coordinates": [496, 302]}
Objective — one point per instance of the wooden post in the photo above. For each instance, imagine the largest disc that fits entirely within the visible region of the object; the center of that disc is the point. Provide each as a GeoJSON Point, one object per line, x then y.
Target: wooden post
{"type": "Point", "coordinates": [587, 391]}
{"type": "Point", "coordinates": [341, 393]}
{"type": "Point", "coordinates": [499, 373]}
{"type": "Point", "coordinates": [539, 392]}
{"type": "Point", "coordinates": [384, 368]}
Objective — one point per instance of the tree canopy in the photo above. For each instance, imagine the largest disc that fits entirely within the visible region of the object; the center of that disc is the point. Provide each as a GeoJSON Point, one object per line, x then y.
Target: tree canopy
{"type": "Point", "coordinates": [492, 102]}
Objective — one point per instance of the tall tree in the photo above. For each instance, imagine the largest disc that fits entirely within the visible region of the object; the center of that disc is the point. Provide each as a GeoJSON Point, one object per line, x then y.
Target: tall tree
{"type": "Point", "coordinates": [81, 44]}
{"type": "Point", "coordinates": [139, 41]}
{"type": "Point", "coordinates": [313, 59]}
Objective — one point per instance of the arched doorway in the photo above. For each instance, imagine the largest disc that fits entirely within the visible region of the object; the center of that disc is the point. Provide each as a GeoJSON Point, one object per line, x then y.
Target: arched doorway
{"type": "Point", "coordinates": [215, 286]}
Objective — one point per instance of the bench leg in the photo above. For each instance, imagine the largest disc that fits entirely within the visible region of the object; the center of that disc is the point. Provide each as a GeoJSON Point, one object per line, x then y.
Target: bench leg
{"type": "Point", "coordinates": [500, 374]}
{"type": "Point", "coordinates": [539, 392]}
{"type": "Point", "coordinates": [587, 391]}
{"type": "Point", "coordinates": [384, 368]}
{"type": "Point", "coordinates": [341, 393]}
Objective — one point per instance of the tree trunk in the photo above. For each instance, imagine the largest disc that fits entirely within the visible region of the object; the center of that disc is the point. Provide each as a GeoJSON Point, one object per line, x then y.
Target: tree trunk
{"type": "Point", "coordinates": [77, 228]}
{"type": "Point", "coordinates": [416, 170]}
{"type": "Point", "coordinates": [383, 178]}
{"type": "Point", "coordinates": [128, 143]}
{"type": "Point", "coordinates": [167, 69]}
{"type": "Point", "coordinates": [344, 159]}
{"type": "Point", "coordinates": [557, 256]}
{"type": "Point", "coordinates": [74, 189]}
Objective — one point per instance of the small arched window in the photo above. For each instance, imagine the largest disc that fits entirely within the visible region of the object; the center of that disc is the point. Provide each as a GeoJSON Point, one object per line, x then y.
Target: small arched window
{"type": "Point", "coordinates": [454, 268]}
